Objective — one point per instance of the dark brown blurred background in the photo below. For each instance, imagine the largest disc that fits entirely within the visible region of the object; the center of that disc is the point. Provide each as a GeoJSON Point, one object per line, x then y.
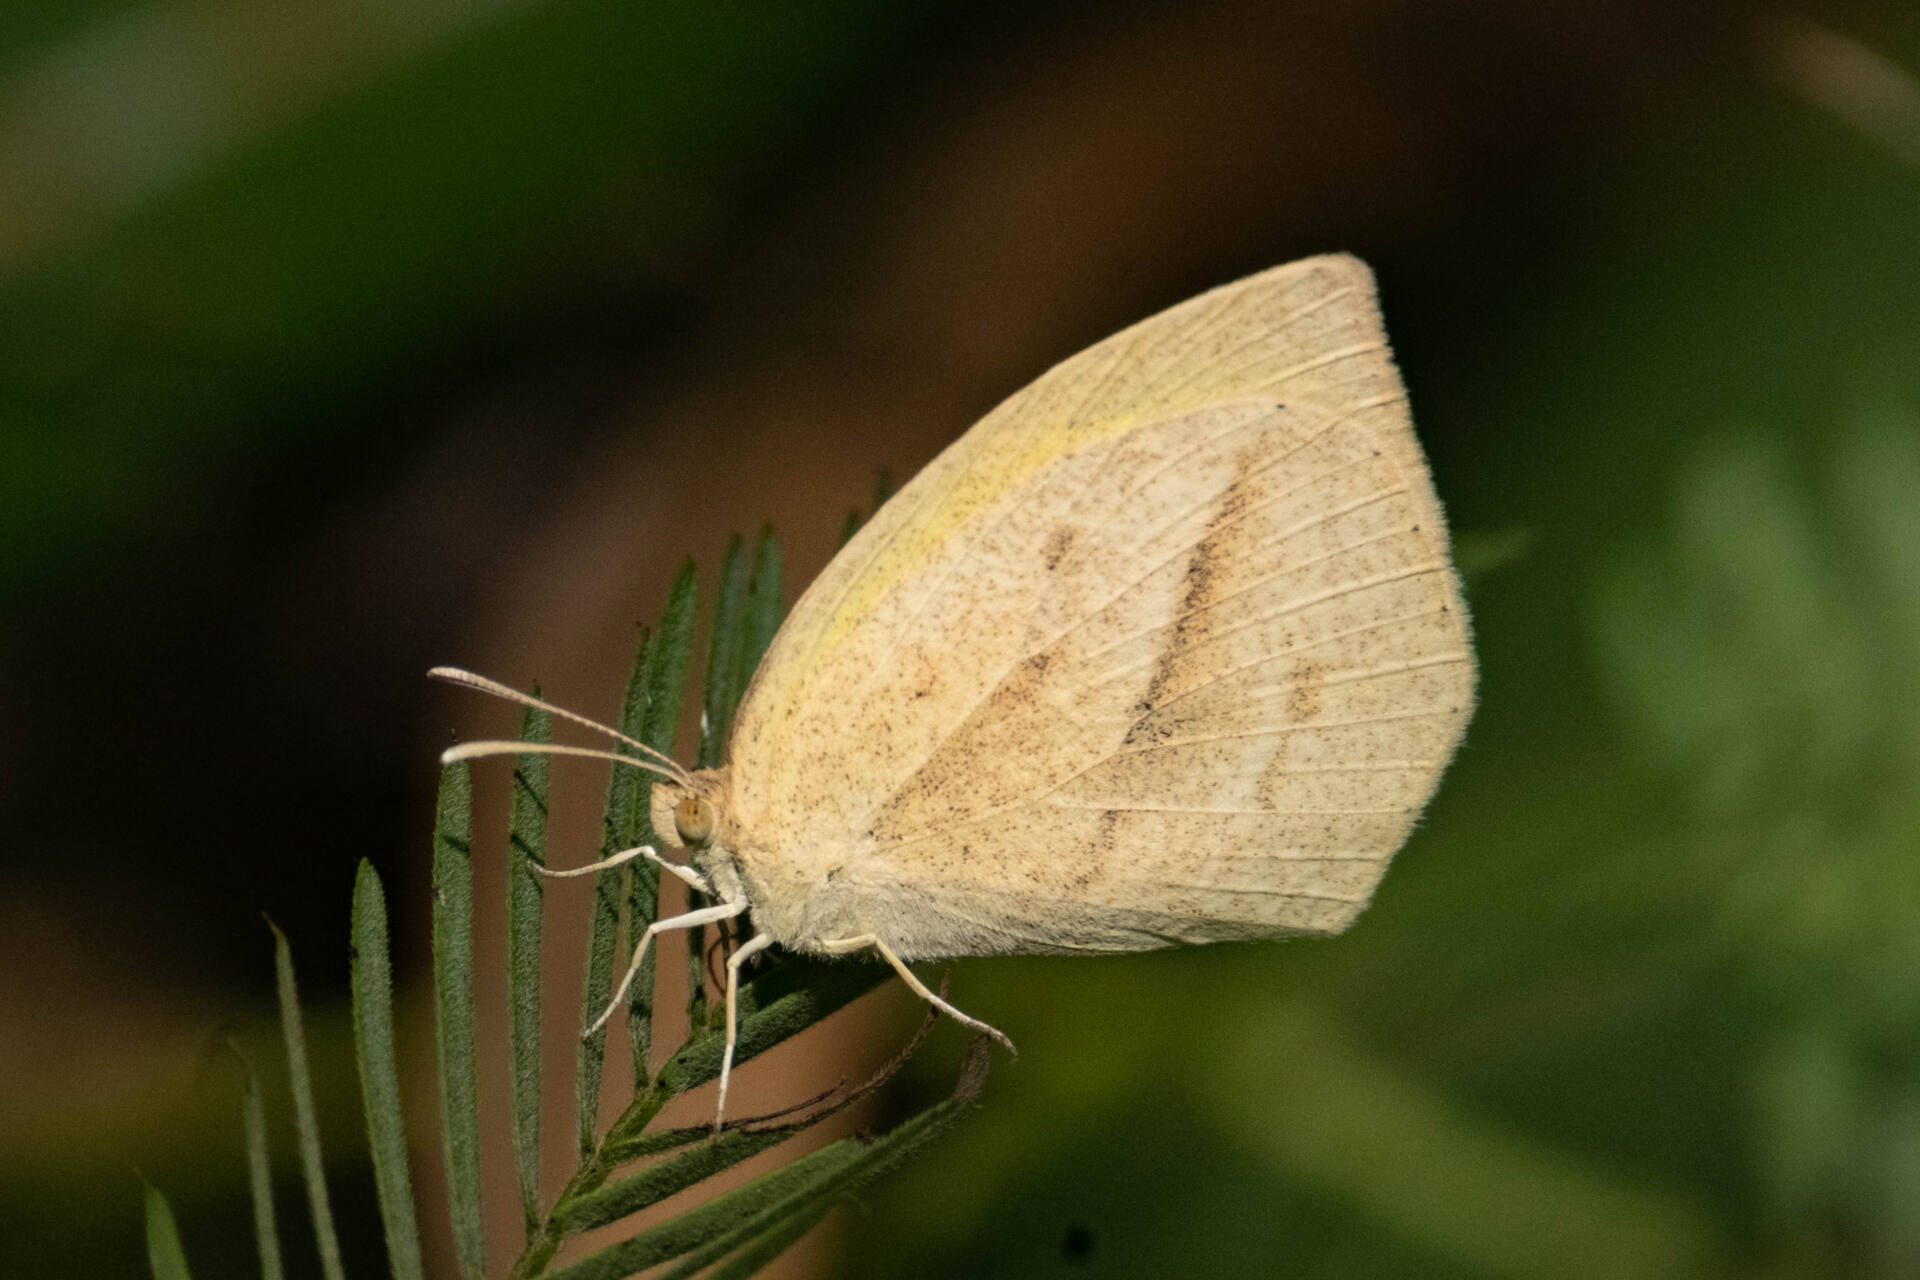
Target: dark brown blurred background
{"type": "Point", "coordinates": [339, 341]}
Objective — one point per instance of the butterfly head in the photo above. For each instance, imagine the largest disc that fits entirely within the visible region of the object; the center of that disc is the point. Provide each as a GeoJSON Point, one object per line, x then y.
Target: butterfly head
{"type": "Point", "coordinates": [693, 820]}
{"type": "Point", "coordinates": [693, 814]}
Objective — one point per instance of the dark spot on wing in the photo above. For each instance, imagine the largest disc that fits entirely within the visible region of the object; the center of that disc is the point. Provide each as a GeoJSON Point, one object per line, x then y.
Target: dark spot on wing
{"type": "Point", "coordinates": [1058, 544]}
{"type": "Point", "coordinates": [1206, 565]}
{"type": "Point", "coordinates": [1304, 699]}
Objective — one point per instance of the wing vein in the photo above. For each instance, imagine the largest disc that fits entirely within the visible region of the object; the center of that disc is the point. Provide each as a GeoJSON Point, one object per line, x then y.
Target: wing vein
{"type": "Point", "coordinates": [1263, 892]}
{"type": "Point", "coordinates": [1308, 366]}
{"type": "Point", "coordinates": [1175, 808]}
{"type": "Point", "coordinates": [1075, 554]}
{"type": "Point", "coordinates": [1178, 518]}
{"type": "Point", "coordinates": [1292, 607]}
{"type": "Point", "coordinates": [1275, 731]}
{"type": "Point", "coordinates": [1262, 334]}
{"type": "Point", "coordinates": [1294, 771]}
{"type": "Point", "coordinates": [1345, 677]}
{"type": "Point", "coordinates": [904, 632]}
{"type": "Point", "coordinates": [988, 689]}
{"type": "Point", "coordinates": [1257, 583]}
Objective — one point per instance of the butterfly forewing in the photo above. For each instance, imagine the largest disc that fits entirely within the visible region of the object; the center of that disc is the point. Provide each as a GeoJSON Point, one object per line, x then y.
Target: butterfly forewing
{"type": "Point", "coordinates": [1168, 648]}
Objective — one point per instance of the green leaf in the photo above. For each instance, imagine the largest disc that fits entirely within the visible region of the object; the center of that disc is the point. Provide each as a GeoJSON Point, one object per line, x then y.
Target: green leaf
{"type": "Point", "coordinates": [373, 1044]}
{"type": "Point", "coordinates": [453, 1015]}
{"type": "Point", "coordinates": [706, 1222]}
{"type": "Point", "coordinates": [305, 1122]}
{"type": "Point", "coordinates": [764, 611]}
{"type": "Point", "coordinates": [621, 1149]}
{"type": "Point", "coordinates": [667, 661]}
{"type": "Point", "coordinates": [630, 1195]}
{"type": "Point", "coordinates": [722, 695]}
{"type": "Point", "coordinates": [627, 794]}
{"type": "Point", "coordinates": [809, 1201]}
{"type": "Point", "coordinates": [596, 989]}
{"type": "Point", "coordinates": [527, 849]}
{"type": "Point", "coordinates": [253, 1120]}
{"type": "Point", "coordinates": [769, 1204]}
{"type": "Point", "coordinates": [775, 1241]}
{"type": "Point", "coordinates": [165, 1254]}
{"type": "Point", "coordinates": [723, 650]}
{"type": "Point", "coordinates": [672, 657]}
{"type": "Point", "coordinates": [774, 1007]}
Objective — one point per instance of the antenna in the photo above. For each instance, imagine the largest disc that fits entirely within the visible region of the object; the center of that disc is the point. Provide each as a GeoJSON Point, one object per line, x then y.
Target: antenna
{"type": "Point", "coordinates": [661, 763]}
{"type": "Point", "coordinates": [516, 747]}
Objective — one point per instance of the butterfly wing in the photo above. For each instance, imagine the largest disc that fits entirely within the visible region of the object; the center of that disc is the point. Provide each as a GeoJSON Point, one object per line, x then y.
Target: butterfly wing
{"type": "Point", "coordinates": [1168, 648]}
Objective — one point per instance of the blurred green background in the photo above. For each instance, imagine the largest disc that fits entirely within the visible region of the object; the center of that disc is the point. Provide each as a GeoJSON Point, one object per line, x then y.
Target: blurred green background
{"type": "Point", "coordinates": [338, 339]}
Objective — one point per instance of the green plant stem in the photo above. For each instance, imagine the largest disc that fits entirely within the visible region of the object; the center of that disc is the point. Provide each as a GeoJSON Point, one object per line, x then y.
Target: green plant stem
{"type": "Point", "coordinates": [777, 1005]}
{"type": "Point", "coordinates": [590, 1176]}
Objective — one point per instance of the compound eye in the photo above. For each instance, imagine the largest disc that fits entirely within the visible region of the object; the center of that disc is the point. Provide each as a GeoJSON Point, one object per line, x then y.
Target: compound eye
{"type": "Point", "coordinates": [694, 819]}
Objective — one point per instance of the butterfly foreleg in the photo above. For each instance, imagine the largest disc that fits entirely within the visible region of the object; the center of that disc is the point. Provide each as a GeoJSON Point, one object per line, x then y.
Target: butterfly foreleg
{"type": "Point", "coordinates": [706, 915]}
{"type": "Point", "coordinates": [684, 872]}
{"type": "Point", "coordinates": [844, 946]}
{"type": "Point", "coordinates": [757, 943]}
{"type": "Point", "coordinates": [611, 861]}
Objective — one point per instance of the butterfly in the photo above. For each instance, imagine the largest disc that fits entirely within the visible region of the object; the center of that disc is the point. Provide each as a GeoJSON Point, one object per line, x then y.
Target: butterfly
{"type": "Point", "coordinates": [1168, 648]}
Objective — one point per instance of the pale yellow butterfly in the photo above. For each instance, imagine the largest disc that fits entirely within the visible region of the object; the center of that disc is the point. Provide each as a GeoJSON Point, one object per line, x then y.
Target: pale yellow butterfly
{"type": "Point", "coordinates": [1167, 649]}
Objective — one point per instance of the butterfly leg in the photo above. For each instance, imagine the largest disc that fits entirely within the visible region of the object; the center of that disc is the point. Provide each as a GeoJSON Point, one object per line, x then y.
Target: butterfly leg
{"type": "Point", "coordinates": [605, 864]}
{"type": "Point", "coordinates": [842, 946]}
{"type": "Point", "coordinates": [608, 863]}
{"type": "Point", "coordinates": [706, 915]}
{"type": "Point", "coordinates": [683, 872]}
{"type": "Point", "coordinates": [752, 946]}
